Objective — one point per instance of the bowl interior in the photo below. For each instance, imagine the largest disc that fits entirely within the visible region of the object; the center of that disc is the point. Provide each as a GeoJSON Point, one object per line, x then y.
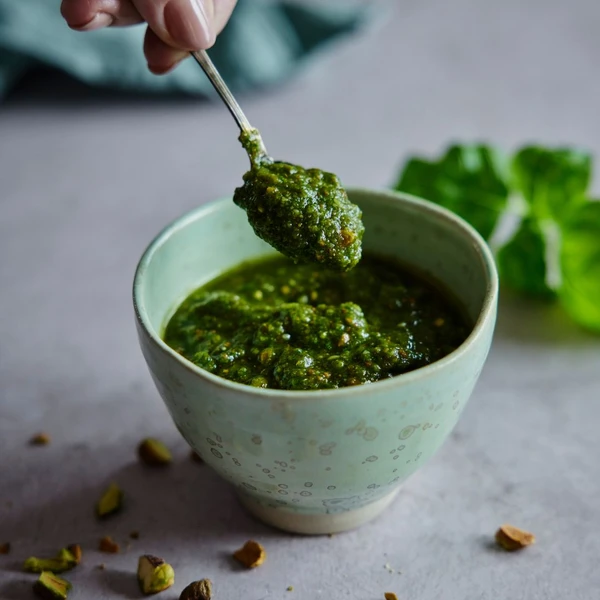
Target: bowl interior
{"type": "Point", "coordinates": [204, 243]}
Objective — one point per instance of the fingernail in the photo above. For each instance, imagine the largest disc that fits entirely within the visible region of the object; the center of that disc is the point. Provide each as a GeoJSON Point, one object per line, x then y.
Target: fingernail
{"type": "Point", "coordinates": [189, 23]}
{"type": "Point", "coordinates": [99, 21]}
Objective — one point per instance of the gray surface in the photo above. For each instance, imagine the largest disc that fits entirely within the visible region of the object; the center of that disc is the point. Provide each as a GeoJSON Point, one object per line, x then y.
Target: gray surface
{"type": "Point", "coordinates": [85, 184]}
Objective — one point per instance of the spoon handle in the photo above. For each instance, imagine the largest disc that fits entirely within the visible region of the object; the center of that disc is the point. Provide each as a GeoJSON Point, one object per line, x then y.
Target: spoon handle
{"type": "Point", "coordinates": [202, 58]}
{"type": "Point", "coordinates": [209, 68]}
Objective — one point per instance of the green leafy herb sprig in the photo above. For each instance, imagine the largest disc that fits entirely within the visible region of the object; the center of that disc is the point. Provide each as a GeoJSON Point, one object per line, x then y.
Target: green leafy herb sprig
{"type": "Point", "coordinates": [535, 211]}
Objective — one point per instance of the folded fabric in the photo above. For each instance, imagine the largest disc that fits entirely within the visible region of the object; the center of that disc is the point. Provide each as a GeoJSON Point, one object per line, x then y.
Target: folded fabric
{"type": "Point", "coordinates": [263, 43]}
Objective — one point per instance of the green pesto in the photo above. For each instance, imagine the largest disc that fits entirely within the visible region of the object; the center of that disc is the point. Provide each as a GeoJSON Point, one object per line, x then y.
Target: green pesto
{"type": "Point", "coordinates": [276, 324]}
{"type": "Point", "coordinates": [253, 144]}
{"type": "Point", "coordinates": [303, 213]}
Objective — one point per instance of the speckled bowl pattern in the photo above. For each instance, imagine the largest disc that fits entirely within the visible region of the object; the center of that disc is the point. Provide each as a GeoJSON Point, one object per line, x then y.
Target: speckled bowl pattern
{"type": "Point", "coordinates": [320, 461]}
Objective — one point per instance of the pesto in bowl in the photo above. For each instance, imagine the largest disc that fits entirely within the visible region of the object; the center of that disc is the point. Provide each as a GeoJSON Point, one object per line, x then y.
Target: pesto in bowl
{"type": "Point", "coordinates": [275, 324]}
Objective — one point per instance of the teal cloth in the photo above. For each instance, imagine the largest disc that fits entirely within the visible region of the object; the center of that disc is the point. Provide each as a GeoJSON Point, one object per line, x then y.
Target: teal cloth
{"type": "Point", "coordinates": [263, 43]}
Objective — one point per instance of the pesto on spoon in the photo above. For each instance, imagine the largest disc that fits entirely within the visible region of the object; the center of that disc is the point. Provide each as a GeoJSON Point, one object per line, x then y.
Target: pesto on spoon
{"type": "Point", "coordinates": [303, 213]}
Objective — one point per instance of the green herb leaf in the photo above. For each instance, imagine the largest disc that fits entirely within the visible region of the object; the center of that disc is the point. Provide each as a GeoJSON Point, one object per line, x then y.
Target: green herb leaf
{"type": "Point", "coordinates": [580, 263]}
{"type": "Point", "coordinates": [522, 262]}
{"type": "Point", "coordinates": [551, 180]}
{"type": "Point", "coordinates": [469, 180]}
{"type": "Point", "coordinates": [556, 247]}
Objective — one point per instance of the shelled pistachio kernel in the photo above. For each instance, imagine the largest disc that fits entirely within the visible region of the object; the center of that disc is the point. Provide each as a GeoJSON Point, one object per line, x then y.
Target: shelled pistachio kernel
{"type": "Point", "coordinates": [75, 550]}
{"type": "Point", "coordinates": [154, 574]}
{"type": "Point", "coordinates": [197, 590]}
{"type": "Point", "coordinates": [64, 561]}
{"type": "Point", "coordinates": [110, 502]}
{"type": "Point", "coordinates": [51, 587]}
{"type": "Point", "coordinates": [251, 554]}
{"type": "Point", "coordinates": [154, 453]}
{"type": "Point", "coordinates": [108, 545]}
{"type": "Point", "coordinates": [512, 538]}
{"type": "Point", "coordinates": [40, 439]}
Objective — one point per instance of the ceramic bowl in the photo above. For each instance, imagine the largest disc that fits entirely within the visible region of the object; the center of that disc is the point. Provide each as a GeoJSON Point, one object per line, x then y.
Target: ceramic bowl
{"type": "Point", "coordinates": [318, 461]}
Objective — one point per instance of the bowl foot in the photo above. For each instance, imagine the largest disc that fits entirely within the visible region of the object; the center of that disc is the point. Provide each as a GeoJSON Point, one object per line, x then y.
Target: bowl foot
{"type": "Point", "coordinates": [317, 524]}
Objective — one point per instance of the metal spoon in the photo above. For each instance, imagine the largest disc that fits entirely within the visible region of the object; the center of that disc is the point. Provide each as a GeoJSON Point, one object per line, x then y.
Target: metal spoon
{"type": "Point", "coordinates": [219, 84]}
{"type": "Point", "coordinates": [309, 203]}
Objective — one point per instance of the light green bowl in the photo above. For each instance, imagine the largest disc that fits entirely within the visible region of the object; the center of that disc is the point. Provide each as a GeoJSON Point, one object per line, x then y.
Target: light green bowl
{"type": "Point", "coordinates": [317, 461]}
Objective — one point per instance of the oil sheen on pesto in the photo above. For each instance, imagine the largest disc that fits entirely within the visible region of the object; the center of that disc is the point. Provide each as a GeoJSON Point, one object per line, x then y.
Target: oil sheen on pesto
{"type": "Point", "coordinates": [303, 213]}
{"type": "Point", "coordinates": [276, 324]}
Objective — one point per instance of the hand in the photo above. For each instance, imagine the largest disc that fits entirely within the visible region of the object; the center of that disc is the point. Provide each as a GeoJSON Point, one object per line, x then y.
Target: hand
{"type": "Point", "coordinates": [174, 26]}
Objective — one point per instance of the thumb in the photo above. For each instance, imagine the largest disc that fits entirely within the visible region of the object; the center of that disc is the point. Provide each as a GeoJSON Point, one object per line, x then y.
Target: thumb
{"type": "Point", "coordinates": [183, 24]}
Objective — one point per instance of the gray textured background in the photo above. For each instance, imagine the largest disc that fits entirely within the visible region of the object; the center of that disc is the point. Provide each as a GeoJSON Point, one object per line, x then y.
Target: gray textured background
{"type": "Point", "coordinates": [86, 181]}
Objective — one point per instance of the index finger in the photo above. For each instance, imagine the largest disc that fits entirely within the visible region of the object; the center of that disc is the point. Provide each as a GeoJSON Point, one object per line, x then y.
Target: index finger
{"type": "Point", "coordinates": [86, 15]}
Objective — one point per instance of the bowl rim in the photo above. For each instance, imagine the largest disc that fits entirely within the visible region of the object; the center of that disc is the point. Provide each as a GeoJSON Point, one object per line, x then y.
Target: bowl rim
{"type": "Point", "coordinates": [485, 314]}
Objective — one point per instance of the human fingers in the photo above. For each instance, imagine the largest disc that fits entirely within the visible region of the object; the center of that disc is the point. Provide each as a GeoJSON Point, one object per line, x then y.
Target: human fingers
{"type": "Point", "coordinates": [87, 15]}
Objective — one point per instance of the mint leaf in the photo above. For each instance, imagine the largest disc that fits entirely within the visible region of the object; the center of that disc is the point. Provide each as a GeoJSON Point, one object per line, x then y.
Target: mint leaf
{"type": "Point", "coordinates": [470, 180]}
{"type": "Point", "coordinates": [551, 180]}
{"type": "Point", "coordinates": [580, 263]}
{"type": "Point", "coordinates": [523, 261]}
